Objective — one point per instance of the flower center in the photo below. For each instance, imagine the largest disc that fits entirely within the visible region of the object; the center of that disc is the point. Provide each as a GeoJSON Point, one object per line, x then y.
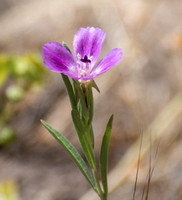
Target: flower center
{"type": "Point", "coordinates": [83, 65]}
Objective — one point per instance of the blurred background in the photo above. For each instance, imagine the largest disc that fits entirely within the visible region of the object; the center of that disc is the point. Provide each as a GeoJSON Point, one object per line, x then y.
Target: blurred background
{"type": "Point", "coordinates": [144, 92]}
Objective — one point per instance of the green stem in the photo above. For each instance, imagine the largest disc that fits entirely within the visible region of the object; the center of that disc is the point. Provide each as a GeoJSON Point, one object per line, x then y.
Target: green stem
{"type": "Point", "coordinates": [98, 185]}
{"type": "Point", "coordinates": [86, 112]}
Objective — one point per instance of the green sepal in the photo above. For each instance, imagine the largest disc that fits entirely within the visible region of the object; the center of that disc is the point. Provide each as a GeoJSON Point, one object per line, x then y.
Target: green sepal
{"type": "Point", "coordinates": [94, 85]}
{"type": "Point", "coordinates": [73, 153]}
{"type": "Point", "coordinates": [104, 155]}
{"type": "Point", "coordinates": [86, 147]}
{"type": "Point", "coordinates": [70, 92]}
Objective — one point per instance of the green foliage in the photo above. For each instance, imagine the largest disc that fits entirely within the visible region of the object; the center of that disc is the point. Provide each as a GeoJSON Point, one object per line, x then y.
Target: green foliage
{"type": "Point", "coordinates": [104, 155]}
{"type": "Point", "coordinates": [9, 190]}
{"type": "Point", "coordinates": [28, 68]}
{"type": "Point", "coordinates": [69, 90]}
{"type": "Point", "coordinates": [14, 93]}
{"type": "Point", "coordinates": [7, 136]}
{"type": "Point", "coordinates": [18, 75]}
{"type": "Point", "coordinates": [73, 153]}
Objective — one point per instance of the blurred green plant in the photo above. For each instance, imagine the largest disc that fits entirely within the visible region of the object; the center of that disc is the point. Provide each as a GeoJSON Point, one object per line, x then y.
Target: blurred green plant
{"type": "Point", "coordinates": [14, 93]}
{"type": "Point", "coordinates": [28, 68]}
{"type": "Point", "coordinates": [9, 190]}
{"type": "Point", "coordinates": [18, 75]}
{"type": "Point", "coordinates": [7, 136]}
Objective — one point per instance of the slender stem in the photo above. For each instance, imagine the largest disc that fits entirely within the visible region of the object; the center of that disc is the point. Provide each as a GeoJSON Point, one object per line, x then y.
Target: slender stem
{"type": "Point", "coordinates": [98, 184]}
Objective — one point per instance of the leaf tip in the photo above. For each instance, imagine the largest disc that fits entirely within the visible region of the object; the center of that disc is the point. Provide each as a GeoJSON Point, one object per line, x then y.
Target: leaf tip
{"type": "Point", "coordinates": [111, 118]}
{"type": "Point", "coordinates": [42, 121]}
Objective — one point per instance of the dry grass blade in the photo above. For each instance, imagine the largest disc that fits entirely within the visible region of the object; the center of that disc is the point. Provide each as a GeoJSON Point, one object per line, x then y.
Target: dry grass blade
{"type": "Point", "coordinates": [166, 117]}
{"type": "Point", "coordinates": [137, 172]}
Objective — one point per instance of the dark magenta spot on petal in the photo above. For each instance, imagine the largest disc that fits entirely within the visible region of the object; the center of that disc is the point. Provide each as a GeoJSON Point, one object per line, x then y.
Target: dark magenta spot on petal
{"type": "Point", "coordinates": [85, 60]}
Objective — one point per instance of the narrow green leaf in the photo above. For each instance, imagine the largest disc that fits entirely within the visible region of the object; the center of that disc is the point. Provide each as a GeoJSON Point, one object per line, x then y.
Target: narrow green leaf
{"type": "Point", "coordinates": [70, 92]}
{"type": "Point", "coordinates": [83, 138]}
{"type": "Point", "coordinates": [104, 155]}
{"type": "Point", "coordinates": [92, 136]}
{"type": "Point", "coordinates": [73, 153]}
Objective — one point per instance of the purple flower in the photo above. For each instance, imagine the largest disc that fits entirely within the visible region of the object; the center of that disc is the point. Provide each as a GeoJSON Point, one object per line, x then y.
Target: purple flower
{"type": "Point", "coordinates": [87, 44]}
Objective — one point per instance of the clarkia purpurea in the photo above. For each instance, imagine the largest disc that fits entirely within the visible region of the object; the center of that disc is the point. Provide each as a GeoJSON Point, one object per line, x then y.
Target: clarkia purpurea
{"type": "Point", "coordinates": [82, 67]}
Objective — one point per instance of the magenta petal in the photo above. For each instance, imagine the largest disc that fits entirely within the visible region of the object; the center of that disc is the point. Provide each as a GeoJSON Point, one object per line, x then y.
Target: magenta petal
{"type": "Point", "coordinates": [88, 42]}
{"type": "Point", "coordinates": [58, 59]}
{"type": "Point", "coordinates": [109, 61]}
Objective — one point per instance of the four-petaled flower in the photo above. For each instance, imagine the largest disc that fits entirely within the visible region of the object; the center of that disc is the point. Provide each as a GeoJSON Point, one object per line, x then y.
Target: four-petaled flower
{"type": "Point", "coordinates": [87, 44]}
